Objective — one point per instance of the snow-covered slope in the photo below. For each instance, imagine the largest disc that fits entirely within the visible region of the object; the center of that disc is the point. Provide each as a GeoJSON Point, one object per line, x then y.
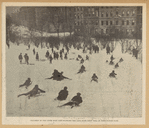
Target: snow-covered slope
{"type": "Point", "coordinates": [109, 97]}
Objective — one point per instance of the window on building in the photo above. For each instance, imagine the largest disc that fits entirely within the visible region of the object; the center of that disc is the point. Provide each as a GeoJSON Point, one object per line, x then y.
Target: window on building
{"type": "Point", "coordinates": [107, 31]}
{"type": "Point", "coordinates": [102, 22]}
{"type": "Point", "coordinates": [116, 12]}
{"type": "Point", "coordinates": [101, 31]}
{"type": "Point", "coordinates": [133, 13]}
{"type": "Point", "coordinates": [123, 23]}
{"type": "Point", "coordinates": [111, 13]}
{"type": "Point", "coordinates": [111, 22]}
{"type": "Point", "coordinates": [117, 22]}
{"type": "Point", "coordinates": [102, 14]}
{"type": "Point", "coordinates": [116, 31]}
{"type": "Point", "coordinates": [127, 22]}
{"type": "Point", "coordinates": [133, 23]}
{"type": "Point", "coordinates": [106, 14]}
{"type": "Point", "coordinates": [106, 22]}
{"type": "Point", "coordinates": [123, 13]}
{"type": "Point", "coordinates": [96, 13]}
{"type": "Point", "coordinates": [127, 13]}
{"type": "Point", "coordinates": [97, 22]}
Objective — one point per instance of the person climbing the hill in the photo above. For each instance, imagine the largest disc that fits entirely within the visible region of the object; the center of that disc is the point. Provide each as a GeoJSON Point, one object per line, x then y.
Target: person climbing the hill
{"type": "Point", "coordinates": [36, 90]}
{"type": "Point", "coordinates": [108, 50]}
{"type": "Point", "coordinates": [82, 61]}
{"type": "Point", "coordinates": [34, 51]}
{"type": "Point", "coordinates": [25, 57]}
{"type": "Point", "coordinates": [82, 69]}
{"type": "Point", "coordinates": [116, 66]}
{"type": "Point", "coordinates": [112, 58]}
{"type": "Point", "coordinates": [111, 62]}
{"type": "Point", "coordinates": [20, 58]}
{"type": "Point", "coordinates": [27, 83]}
{"type": "Point", "coordinates": [63, 94]}
{"type": "Point", "coordinates": [75, 101]}
{"type": "Point", "coordinates": [112, 74]}
{"type": "Point", "coordinates": [47, 54]}
{"type": "Point", "coordinates": [37, 57]}
{"type": "Point", "coordinates": [65, 56]}
{"type": "Point", "coordinates": [94, 78]}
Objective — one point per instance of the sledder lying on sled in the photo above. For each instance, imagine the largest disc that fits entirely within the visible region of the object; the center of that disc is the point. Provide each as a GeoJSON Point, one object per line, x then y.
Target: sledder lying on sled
{"type": "Point", "coordinates": [27, 83]}
{"type": "Point", "coordinates": [75, 101]}
{"type": "Point", "coordinates": [82, 69]}
{"type": "Point", "coordinates": [62, 95]}
{"type": "Point", "coordinates": [112, 74]}
{"type": "Point", "coordinates": [94, 78]}
{"type": "Point", "coordinates": [35, 91]}
{"type": "Point", "coordinates": [58, 76]}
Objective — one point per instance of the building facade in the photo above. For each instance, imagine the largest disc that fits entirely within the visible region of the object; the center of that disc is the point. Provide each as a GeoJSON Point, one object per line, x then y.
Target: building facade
{"type": "Point", "coordinates": [102, 19]}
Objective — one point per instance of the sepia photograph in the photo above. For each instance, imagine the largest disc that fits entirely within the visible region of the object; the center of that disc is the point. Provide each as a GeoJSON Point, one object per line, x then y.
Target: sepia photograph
{"type": "Point", "coordinates": [73, 64]}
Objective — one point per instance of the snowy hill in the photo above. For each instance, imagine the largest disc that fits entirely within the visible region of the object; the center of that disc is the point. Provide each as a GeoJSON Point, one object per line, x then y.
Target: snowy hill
{"type": "Point", "coordinates": [121, 97]}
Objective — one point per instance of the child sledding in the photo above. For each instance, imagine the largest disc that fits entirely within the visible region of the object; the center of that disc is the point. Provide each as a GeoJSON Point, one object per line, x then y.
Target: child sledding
{"type": "Point", "coordinates": [112, 74]}
{"type": "Point", "coordinates": [56, 75]}
{"type": "Point", "coordinates": [82, 69]}
{"type": "Point", "coordinates": [75, 101]}
{"type": "Point", "coordinates": [35, 91]}
{"type": "Point", "coordinates": [62, 95]}
{"type": "Point", "coordinates": [94, 78]}
{"type": "Point", "coordinates": [27, 83]}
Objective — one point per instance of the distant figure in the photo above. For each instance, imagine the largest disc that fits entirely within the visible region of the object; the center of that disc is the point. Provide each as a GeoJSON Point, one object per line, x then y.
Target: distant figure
{"type": "Point", "coordinates": [29, 46]}
{"type": "Point", "coordinates": [37, 56]}
{"type": "Point", "coordinates": [61, 56]}
{"type": "Point", "coordinates": [50, 58]}
{"type": "Point", "coordinates": [112, 58]}
{"type": "Point", "coordinates": [34, 51]}
{"type": "Point", "coordinates": [36, 90]}
{"type": "Point", "coordinates": [63, 50]}
{"type": "Point", "coordinates": [94, 78]}
{"type": "Point", "coordinates": [108, 50]}
{"type": "Point", "coordinates": [77, 59]}
{"type": "Point", "coordinates": [116, 66]}
{"type": "Point", "coordinates": [27, 83]}
{"type": "Point", "coordinates": [82, 61]}
{"type": "Point", "coordinates": [63, 94]}
{"type": "Point", "coordinates": [26, 58]}
{"type": "Point", "coordinates": [47, 54]}
{"type": "Point", "coordinates": [20, 58]}
{"type": "Point", "coordinates": [121, 60]}
{"type": "Point", "coordinates": [65, 56]}
{"type": "Point", "coordinates": [82, 69]}
{"type": "Point", "coordinates": [106, 61]}
{"type": "Point", "coordinates": [87, 57]}
{"type": "Point", "coordinates": [112, 74]}
{"type": "Point", "coordinates": [79, 56]}
{"type": "Point", "coordinates": [75, 101]}
{"type": "Point", "coordinates": [111, 62]}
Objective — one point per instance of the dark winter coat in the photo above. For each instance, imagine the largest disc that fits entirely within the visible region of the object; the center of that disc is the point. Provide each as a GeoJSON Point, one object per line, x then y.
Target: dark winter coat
{"type": "Point", "coordinates": [77, 99]}
{"type": "Point", "coordinates": [62, 95]}
{"type": "Point", "coordinates": [20, 57]}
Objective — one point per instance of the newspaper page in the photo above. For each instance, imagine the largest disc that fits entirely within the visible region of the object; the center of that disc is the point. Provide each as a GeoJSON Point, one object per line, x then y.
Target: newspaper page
{"type": "Point", "coordinates": [73, 63]}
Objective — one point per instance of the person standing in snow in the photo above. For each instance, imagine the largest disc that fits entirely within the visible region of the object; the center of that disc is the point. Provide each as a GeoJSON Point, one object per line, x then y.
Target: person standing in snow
{"type": "Point", "coordinates": [29, 46]}
{"type": "Point", "coordinates": [20, 58]}
{"type": "Point", "coordinates": [50, 58]}
{"type": "Point", "coordinates": [34, 51]}
{"type": "Point", "coordinates": [63, 94]}
{"type": "Point", "coordinates": [116, 66]}
{"type": "Point", "coordinates": [65, 56]}
{"type": "Point", "coordinates": [108, 50]}
{"type": "Point", "coordinates": [27, 59]}
{"type": "Point", "coordinates": [37, 56]}
{"type": "Point", "coordinates": [87, 57]}
{"type": "Point", "coordinates": [47, 54]}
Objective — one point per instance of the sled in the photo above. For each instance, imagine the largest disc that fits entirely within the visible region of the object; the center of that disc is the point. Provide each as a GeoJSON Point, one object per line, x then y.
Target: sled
{"type": "Point", "coordinates": [59, 78]}
{"type": "Point", "coordinates": [71, 104]}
